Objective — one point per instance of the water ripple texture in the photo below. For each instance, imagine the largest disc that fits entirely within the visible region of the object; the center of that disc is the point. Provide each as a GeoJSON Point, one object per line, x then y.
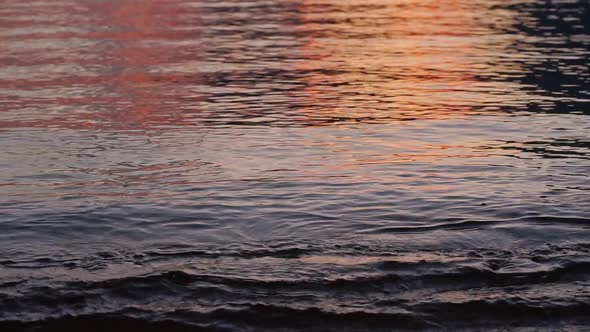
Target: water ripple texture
{"type": "Point", "coordinates": [324, 165]}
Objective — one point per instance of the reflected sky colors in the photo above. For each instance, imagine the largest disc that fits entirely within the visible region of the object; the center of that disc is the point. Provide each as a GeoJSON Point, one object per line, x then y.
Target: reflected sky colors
{"type": "Point", "coordinates": [298, 63]}
{"type": "Point", "coordinates": [106, 102]}
{"type": "Point", "coordinates": [318, 161]}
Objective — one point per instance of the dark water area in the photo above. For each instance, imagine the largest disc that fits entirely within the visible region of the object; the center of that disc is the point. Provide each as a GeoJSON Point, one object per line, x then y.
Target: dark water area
{"type": "Point", "coordinates": [297, 165]}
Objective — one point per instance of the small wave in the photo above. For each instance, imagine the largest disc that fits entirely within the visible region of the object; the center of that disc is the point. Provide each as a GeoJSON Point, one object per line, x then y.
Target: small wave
{"type": "Point", "coordinates": [415, 290]}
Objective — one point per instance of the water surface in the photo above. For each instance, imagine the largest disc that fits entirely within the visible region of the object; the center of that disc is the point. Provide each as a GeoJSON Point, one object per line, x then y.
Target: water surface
{"type": "Point", "coordinates": [301, 164]}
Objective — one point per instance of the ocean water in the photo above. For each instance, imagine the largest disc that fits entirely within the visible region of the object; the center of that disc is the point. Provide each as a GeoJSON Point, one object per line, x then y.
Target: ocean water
{"type": "Point", "coordinates": [294, 165]}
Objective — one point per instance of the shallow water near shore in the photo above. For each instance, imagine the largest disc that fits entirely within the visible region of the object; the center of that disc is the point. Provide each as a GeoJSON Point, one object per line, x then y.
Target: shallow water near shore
{"type": "Point", "coordinates": [294, 165]}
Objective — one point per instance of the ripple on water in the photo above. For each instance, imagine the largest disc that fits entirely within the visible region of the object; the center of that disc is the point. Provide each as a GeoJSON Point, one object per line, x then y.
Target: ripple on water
{"type": "Point", "coordinates": [236, 165]}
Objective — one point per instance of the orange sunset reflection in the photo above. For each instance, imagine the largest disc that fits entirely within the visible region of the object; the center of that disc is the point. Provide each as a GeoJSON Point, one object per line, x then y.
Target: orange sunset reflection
{"type": "Point", "coordinates": [411, 59]}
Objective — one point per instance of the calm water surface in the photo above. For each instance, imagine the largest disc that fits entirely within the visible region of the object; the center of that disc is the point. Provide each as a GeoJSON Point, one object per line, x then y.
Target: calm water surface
{"type": "Point", "coordinates": [298, 164]}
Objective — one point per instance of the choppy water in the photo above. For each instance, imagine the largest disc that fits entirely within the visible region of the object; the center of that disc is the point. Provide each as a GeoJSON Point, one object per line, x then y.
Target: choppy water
{"type": "Point", "coordinates": [296, 165]}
